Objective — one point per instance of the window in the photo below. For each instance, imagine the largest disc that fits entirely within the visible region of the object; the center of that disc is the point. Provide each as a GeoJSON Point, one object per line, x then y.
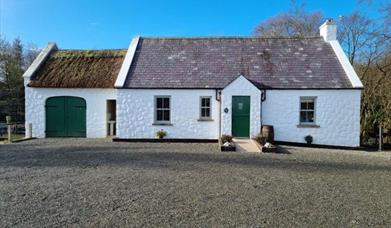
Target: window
{"type": "Point", "coordinates": [307, 110]}
{"type": "Point", "coordinates": [205, 108]}
{"type": "Point", "coordinates": [162, 109]}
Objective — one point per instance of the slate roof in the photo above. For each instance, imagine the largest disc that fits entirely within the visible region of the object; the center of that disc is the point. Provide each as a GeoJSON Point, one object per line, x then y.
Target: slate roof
{"type": "Point", "coordinates": [280, 63]}
{"type": "Point", "coordinates": [79, 69]}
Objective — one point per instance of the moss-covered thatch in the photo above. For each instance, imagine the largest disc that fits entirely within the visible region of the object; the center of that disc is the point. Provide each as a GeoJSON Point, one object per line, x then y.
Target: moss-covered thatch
{"type": "Point", "coordinates": [80, 69]}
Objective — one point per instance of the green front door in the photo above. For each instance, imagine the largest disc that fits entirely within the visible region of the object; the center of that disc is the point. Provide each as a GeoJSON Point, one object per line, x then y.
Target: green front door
{"type": "Point", "coordinates": [241, 116]}
{"type": "Point", "coordinates": [65, 117]}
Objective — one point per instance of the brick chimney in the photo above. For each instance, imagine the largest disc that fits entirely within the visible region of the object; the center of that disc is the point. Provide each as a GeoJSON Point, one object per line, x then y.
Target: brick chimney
{"type": "Point", "coordinates": [328, 30]}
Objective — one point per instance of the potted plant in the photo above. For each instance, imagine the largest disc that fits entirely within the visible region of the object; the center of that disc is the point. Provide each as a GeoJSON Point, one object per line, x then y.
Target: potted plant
{"type": "Point", "coordinates": [264, 145]}
{"type": "Point", "coordinates": [309, 139]}
{"type": "Point", "coordinates": [260, 139]}
{"type": "Point", "coordinates": [226, 143]}
{"type": "Point", "coordinates": [161, 134]}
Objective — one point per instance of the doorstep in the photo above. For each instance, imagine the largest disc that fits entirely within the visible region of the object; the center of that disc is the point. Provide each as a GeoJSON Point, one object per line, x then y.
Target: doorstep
{"type": "Point", "coordinates": [246, 145]}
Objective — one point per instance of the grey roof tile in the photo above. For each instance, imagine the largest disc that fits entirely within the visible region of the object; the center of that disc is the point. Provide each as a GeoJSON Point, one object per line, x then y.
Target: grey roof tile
{"type": "Point", "coordinates": [215, 62]}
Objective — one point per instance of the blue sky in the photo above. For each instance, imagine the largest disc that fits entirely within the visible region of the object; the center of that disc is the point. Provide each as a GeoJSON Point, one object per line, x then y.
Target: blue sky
{"type": "Point", "coordinates": [83, 24]}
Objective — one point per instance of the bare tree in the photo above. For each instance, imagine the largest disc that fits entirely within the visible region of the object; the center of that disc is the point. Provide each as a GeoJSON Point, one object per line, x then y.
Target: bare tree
{"type": "Point", "coordinates": [294, 23]}
{"type": "Point", "coordinates": [355, 33]}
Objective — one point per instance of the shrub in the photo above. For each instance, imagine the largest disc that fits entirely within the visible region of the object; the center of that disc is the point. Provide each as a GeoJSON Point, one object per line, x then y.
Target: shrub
{"type": "Point", "coordinates": [161, 134]}
{"type": "Point", "coordinates": [226, 138]}
{"type": "Point", "coordinates": [308, 139]}
{"type": "Point", "coordinates": [260, 139]}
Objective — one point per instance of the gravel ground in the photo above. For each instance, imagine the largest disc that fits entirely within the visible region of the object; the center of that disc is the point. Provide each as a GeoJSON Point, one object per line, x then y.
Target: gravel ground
{"type": "Point", "coordinates": [78, 182]}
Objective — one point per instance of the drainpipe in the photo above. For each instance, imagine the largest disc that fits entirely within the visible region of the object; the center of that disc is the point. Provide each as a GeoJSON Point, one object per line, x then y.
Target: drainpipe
{"type": "Point", "coordinates": [218, 98]}
{"type": "Point", "coordinates": [263, 98]}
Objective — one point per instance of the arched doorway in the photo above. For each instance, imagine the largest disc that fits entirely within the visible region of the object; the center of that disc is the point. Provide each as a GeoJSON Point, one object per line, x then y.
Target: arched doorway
{"type": "Point", "coordinates": [65, 117]}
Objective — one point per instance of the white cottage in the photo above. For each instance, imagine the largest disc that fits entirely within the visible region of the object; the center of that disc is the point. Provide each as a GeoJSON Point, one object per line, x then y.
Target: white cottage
{"type": "Point", "coordinates": [198, 89]}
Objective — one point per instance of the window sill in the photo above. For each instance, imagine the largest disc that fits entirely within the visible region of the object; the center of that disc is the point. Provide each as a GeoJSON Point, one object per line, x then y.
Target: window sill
{"type": "Point", "coordinates": [162, 124]}
{"type": "Point", "coordinates": [205, 120]}
{"type": "Point", "coordinates": [308, 126]}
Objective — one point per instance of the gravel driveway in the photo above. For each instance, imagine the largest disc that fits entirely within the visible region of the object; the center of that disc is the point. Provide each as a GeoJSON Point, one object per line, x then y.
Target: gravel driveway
{"type": "Point", "coordinates": [78, 182]}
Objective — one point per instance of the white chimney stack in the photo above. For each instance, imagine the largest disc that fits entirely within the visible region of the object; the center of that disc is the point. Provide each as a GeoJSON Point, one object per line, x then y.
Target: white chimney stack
{"type": "Point", "coordinates": [328, 30]}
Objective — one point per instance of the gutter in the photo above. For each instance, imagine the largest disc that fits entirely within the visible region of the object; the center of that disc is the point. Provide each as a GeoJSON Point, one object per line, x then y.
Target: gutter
{"type": "Point", "coordinates": [263, 98]}
{"type": "Point", "coordinates": [218, 98]}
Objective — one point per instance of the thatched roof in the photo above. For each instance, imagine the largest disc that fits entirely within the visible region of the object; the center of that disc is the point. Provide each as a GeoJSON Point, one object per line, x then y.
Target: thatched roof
{"type": "Point", "coordinates": [79, 69]}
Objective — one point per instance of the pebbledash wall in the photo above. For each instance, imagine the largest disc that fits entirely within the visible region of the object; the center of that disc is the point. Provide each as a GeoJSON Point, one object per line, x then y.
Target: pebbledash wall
{"type": "Point", "coordinates": [337, 114]}
{"type": "Point", "coordinates": [96, 108]}
{"type": "Point", "coordinates": [135, 114]}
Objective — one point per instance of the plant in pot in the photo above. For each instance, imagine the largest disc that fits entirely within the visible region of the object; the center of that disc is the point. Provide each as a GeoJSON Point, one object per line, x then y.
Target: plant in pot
{"type": "Point", "coordinates": [226, 138]}
{"type": "Point", "coordinates": [226, 143]}
{"type": "Point", "coordinates": [261, 139]}
{"type": "Point", "coordinates": [161, 134]}
{"type": "Point", "coordinates": [264, 143]}
{"type": "Point", "coordinates": [309, 139]}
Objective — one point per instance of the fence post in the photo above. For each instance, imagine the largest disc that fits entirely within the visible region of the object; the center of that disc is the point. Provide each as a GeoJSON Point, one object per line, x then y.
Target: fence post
{"type": "Point", "coordinates": [380, 137]}
{"type": "Point", "coordinates": [9, 133]}
{"type": "Point", "coordinates": [8, 122]}
{"type": "Point", "coordinates": [29, 130]}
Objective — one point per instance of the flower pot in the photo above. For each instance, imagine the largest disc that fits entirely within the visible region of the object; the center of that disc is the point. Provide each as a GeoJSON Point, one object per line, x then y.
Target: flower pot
{"type": "Point", "coordinates": [227, 148]}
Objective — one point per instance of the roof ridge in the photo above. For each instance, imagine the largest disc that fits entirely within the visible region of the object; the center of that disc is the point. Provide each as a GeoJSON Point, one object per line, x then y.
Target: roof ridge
{"type": "Point", "coordinates": [227, 37]}
{"type": "Point", "coordinates": [107, 49]}
{"type": "Point", "coordinates": [64, 53]}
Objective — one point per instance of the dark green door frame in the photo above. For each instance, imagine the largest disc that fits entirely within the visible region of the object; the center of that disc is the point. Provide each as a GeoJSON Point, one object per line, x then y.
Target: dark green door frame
{"type": "Point", "coordinates": [241, 116]}
{"type": "Point", "coordinates": [65, 117]}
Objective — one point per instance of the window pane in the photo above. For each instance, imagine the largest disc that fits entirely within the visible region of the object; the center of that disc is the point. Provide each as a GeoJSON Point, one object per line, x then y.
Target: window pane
{"type": "Point", "coordinates": [166, 102]}
{"type": "Point", "coordinates": [310, 115]}
{"type": "Point", "coordinates": [303, 117]}
{"type": "Point", "coordinates": [159, 115]}
{"type": "Point", "coordinates": [311, 105]}
{"type": "Point", "coordinates": [166, 115]}
{"type": "Point", "coordinates": [159, 103]}
{"type": "Point", "coordinates": [303, 105]}
{"type": "Point", "coordinates": [207, 102]}
{"type": "Point", "coordinates": [203, 102]}
{"type": "Point", "coordinates": [207, 112]}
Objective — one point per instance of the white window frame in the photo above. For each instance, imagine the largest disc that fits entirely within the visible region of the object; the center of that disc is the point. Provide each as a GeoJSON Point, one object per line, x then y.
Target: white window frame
{"type": "Point", "coordinates": [210, 108]}
{"type": "Point", "coordinates": [155, 109]}
{"type": "Point", "coordinates": [308, 99]}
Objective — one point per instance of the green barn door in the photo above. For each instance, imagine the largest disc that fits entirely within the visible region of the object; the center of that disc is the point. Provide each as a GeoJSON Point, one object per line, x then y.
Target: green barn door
{"type": "Point", "coordinates": [65, 117]}
{"type": "Point", "coordinates": [75, 117]}
{"type": "Point", "coordinates": [241, 116]}
{"type": "Point", "coordinates": [55, 117]}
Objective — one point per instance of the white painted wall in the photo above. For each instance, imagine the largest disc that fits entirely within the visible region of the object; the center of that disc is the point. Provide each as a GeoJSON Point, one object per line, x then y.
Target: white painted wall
{"type": "Point", "coordinates": [241, 87]}
{"type": "Point", "coordinates": [96, 108]}
{"type": "Point", "coordinates": [337, 114]}
{"type": "Point", "coordinates": [135, 114]}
